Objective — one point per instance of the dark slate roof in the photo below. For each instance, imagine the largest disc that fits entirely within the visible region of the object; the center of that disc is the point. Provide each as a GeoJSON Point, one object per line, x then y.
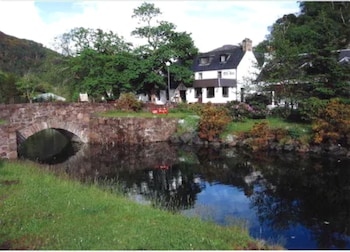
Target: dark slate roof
{"type": "Point", "coordinates": [344, 56]}
{"type": "Point", "coordinates": [235, 56]}
{"type": "Point", "coordinates": [260, 57]}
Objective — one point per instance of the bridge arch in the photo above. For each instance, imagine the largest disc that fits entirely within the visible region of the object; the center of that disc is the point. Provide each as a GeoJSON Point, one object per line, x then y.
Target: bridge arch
{"type": "Point", "coordinates": [73, 131]}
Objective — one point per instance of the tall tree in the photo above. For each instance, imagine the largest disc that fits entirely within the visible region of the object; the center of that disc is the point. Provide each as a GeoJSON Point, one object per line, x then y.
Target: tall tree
{"type": "Point", "coordinates": [102, 75]}
{"type": "Point", "coordinates": [163, 45]}
{"type": "Point", "coordinates": [305, 48]}
{"type": "Point", "coordinates": [78, 39]}
{"type": "Point", "coordinates": [96, 61]}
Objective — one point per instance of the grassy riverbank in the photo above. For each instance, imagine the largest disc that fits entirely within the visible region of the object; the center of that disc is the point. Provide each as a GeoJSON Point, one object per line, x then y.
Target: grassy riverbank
{"type": "Point", "coordinates": [273, 122]}
{"type": "Point", "coordinates": [143, 114]}
{"type": "Point", "coordinates": [38, 210]}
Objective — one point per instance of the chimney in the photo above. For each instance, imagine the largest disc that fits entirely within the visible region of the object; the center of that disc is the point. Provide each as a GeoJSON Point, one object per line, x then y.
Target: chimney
{"type": "Point", "coordinates": [247, 45]}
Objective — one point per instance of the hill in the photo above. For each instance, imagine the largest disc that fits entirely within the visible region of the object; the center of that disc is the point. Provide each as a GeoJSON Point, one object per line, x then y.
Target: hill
{"type": "Point", "coordinates": [20, 56]}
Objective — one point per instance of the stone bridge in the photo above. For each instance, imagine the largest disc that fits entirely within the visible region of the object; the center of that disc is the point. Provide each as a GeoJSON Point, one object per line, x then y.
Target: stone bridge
{"type": "Point", "coordinates": [78, 121]}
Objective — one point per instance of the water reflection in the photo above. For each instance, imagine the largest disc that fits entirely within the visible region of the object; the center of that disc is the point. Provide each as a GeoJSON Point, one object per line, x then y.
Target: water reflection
{"type": "Point", "coordinates": [302, 202]}
{"type": "Point", "coordinates": [48, 146]}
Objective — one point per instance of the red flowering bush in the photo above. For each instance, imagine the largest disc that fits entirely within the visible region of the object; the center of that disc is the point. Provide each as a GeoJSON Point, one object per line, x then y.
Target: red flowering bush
{"type": "Point", "coordinates": [241, 111]}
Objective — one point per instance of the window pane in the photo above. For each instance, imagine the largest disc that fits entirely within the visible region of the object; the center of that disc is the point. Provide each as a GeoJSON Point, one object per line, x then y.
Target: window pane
{"type": "Point", "coordinates": [198, 92]}
{"type": "Point", "coordinates": [210, 92]}
{"type": "Point", "coordinates": [225, 91]}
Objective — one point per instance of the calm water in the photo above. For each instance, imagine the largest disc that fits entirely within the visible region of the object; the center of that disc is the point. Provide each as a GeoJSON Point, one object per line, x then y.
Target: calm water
{"type": "Point", "coordinates": [299, 202]}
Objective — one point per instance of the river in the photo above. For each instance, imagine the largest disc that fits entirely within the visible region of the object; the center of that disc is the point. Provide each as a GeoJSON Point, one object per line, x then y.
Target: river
{"type": "Point", "coordinates": [297, 201]}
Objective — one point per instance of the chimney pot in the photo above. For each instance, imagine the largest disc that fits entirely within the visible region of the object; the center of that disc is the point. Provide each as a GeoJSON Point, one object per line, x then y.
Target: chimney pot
{"type": "Point", "coordinates": [247, 45]}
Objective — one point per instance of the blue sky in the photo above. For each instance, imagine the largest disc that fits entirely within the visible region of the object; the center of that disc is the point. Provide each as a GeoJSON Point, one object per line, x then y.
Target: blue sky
{"type": "Point", "coordinates": [50, 11]}
{"type": "Point", "coordinates": [211, 23]}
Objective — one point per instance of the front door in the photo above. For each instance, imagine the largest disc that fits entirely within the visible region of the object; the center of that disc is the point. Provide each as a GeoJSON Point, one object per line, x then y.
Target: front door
{"type": "Point", "coordinates": [183, 95]}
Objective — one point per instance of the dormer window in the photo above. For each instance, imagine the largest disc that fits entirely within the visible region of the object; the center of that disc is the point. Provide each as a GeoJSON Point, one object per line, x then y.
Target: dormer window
{"type": "Point", "coordinates": [204, 61]}
{"type": "Point", "coordinates": [224, 58]}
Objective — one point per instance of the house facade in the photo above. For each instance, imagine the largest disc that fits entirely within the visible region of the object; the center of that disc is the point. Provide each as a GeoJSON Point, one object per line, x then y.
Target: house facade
{"type": "Point", "coordinates": [222, 75]}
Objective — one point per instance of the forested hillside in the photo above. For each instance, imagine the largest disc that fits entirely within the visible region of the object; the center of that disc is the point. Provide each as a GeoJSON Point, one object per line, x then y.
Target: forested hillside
{"type": "Point", "coordinates": [26, 69]}
{"type": "Point", "coordinates": [20, 56]}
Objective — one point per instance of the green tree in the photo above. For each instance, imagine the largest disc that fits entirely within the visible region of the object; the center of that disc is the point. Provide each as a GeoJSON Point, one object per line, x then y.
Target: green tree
{"type": "Point", "coordinates": [97, 61]}
{"type": "Point", "coordinates": [8, 89]}
{"type": "Point", "coordinates": [282, 72]}
{"type": "Point", "coordinates": [29, 85]}
{"type": "Point", "coordinates": [163, 45]}
{"type": "Point", "coordinates": [102, 75]}
{"type": "Point", "coordinates": [79, 39]}
{"type": "Point", "coordinates": [304, 51]}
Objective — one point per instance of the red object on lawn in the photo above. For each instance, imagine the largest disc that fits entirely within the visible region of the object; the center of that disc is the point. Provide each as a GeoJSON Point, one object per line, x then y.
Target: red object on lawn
{"type": "Point", "coordinates": [162, 167]}
{"type": "Point", "coordinates": [159, 111]}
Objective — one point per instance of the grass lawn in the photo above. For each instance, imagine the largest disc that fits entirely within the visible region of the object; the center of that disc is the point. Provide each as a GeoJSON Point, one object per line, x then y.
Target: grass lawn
{"type": "Point", "coordinates": [144, 114]}
{"type": "Point", "coordinates": [236, 127]}
{"type": "Point", "coordinates": [297, 129]}
{"type": "Point", "coordinates": [2, 121]}
{"type": "Point", "coordinates": [39, 210]}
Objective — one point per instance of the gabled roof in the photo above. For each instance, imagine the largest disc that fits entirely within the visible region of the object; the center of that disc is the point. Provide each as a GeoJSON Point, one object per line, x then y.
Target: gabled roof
{"type": "Point", "coordinates": [305, 62]}
{"type": "Point", "coordinates": [344, 56]}
{"type": "Point", "coordinates": [234, 56]}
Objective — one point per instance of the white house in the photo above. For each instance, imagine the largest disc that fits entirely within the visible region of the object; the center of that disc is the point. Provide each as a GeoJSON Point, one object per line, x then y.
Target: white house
{"type": "Point", "coordinates": [223, 74]}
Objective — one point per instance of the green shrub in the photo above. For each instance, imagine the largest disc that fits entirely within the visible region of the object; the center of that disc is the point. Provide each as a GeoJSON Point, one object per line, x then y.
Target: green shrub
{"type": "Point", "coordinates": [128, 102]}
{"type": "Point", "coordinates": [281, 112]}
{"type": "Point", "coordinates": [213, 121]}
{"type": "Point", "coordinates": [310, 108]}
{"type": "Point", "coordinates": [193, 108]}
{"type": "Point", "coordinates": [333, 124]}
{"type": "Point", "coordinates": [279, 133]}
{"type": "Point", "coordinates": [258, 102]}
{"type": "Point", "coordinates": [261, 136]}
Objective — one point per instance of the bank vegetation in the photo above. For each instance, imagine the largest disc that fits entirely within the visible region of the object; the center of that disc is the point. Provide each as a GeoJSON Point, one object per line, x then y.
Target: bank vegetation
{"type": "Point", "coordinates": [43, 211]}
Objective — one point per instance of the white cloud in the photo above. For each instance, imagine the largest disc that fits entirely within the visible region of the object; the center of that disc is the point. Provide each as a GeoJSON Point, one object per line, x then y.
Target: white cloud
{"type": "Point", "coordinates": [211, 23]}
{"type": "Point", "coordinates": [21, 19]}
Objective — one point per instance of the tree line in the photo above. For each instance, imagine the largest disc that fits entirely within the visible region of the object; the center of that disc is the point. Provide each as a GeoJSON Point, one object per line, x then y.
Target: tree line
{"type": "Point", "coordinates": [304, 54]}
{"type": "Point", "coordinates": [302, 48]}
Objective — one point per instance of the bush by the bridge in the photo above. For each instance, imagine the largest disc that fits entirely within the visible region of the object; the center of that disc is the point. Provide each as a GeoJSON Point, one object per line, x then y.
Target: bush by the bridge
{"type": "Point", "coordinates": [128, 102]}
{"type": "Point", "coordinates": [213, 121]}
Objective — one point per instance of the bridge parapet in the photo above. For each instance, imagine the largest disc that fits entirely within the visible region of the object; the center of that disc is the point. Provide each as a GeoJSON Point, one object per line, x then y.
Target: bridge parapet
{"type": "Point", "coordinates": [24, 120]}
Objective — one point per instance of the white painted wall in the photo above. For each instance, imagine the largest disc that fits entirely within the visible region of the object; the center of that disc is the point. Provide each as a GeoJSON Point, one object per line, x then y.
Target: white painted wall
{"type": "Point", "coordinates": [247, 71]}
{"type": "Point", "coordinates": [218, 98]}
{"type": "Point", "coordinates": [225, 73]}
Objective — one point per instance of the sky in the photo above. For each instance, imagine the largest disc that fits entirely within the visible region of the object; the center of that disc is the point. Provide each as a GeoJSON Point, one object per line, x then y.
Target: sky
{"type": "Point", "coordinates": [211, 24]}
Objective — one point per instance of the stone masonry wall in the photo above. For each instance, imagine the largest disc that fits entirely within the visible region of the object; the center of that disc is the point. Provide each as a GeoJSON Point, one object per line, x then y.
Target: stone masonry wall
{"type": "Point", "coordinates": [131, 130]}
{"type": "Point", "coordinates": [28, 119]}
{"type": "Point", "coordinates": [24, 120]}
